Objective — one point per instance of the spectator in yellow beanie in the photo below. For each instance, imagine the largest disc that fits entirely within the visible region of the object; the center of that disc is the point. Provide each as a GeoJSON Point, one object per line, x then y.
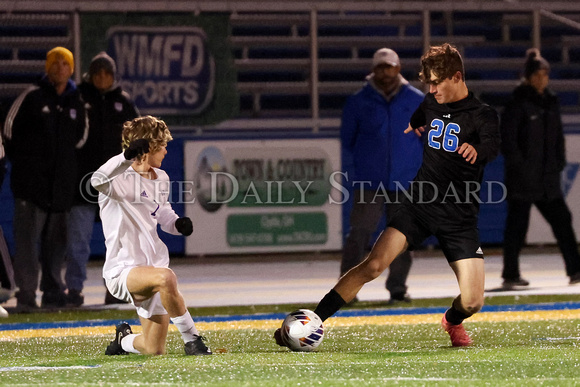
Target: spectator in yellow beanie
{"type": "Point", "coordinates": [43, 130]}
{"type": "Point", "coordinates": [60, 52]}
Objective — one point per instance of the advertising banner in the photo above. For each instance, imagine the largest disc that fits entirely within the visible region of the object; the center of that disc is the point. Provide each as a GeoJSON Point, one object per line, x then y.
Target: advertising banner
{"type": "Point", "coordinates": [167, 70]}
{"type": "Point", "coordinates": [263, 196]}
{"type": "Point", "coordinates": [176, 66]}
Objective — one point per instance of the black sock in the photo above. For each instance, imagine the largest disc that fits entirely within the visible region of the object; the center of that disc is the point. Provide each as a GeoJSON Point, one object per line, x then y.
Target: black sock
{"type": "Point", "coordinates": [455, 316]}
{"type": "Point", "coordinates": [329, 305]}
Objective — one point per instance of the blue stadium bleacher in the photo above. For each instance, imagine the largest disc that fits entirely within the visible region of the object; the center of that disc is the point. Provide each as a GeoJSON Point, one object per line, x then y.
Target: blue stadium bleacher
{"type": "Point", "coordinates": [491, 32]}
{"type": "Point", "coordinates": [575, 54]}
{"type": "Point", "coordinates": [347, 39]}
{"type": "Point", "coordinates": [31, 31]}
{"type": "Point", "coordinates": [24, 40]}
{"type": "Point", "coordinates": [568, 98]}
{"type": "Point", "coordinates": [336, 53]}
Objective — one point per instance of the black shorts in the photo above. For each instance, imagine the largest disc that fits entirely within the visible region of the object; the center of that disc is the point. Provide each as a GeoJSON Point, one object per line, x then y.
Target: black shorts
{"type": "Point", "coordinates": [458, 239]}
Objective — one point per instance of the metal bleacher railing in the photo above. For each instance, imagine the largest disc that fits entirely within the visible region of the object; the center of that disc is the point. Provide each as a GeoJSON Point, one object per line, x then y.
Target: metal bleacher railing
{"type": "Point", "coordinates": [302, 59]}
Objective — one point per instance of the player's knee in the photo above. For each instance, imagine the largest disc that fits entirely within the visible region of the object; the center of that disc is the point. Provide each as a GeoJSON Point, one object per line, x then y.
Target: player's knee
{"type": "Point", "coordinates": [167, 279]}
{"type": "Point", "coordinates": [372, 268]}
{"type": "Point", "coordinates": [153, 349]}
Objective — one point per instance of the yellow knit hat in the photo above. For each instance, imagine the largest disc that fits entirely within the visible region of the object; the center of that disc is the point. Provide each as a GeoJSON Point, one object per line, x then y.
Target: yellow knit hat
{"type": "Point", "coordinates": [66, 54]}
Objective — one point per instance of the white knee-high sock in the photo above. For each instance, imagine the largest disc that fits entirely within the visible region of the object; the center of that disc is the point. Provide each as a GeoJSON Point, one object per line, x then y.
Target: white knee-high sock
{"type": "Point", "coordinates": [127, 343]}
{"type": "Point", "coordinates": [186, 326]}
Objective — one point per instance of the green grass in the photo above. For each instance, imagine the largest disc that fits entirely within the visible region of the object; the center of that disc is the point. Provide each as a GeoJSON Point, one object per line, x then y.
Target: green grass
{"type": "Point", "coordinates": [113, 314]}
{"type": "Point", "coordinates": [530, 353]}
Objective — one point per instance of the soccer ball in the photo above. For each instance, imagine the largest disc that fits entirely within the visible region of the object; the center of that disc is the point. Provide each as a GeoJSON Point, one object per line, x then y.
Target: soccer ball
{"type": "Point", "coordinates": [302, 330]}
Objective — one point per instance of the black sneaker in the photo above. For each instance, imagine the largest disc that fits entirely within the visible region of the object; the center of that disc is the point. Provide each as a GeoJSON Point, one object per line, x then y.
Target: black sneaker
{"type": "Point", "coordinates": [25, 302]}
{"type": "Point", "coordinates": [575, 279]}
{"type": "Point", "coordinates": [509, 283]}
{"type": "Point", "coordinates": [197, 347]}
{"type": "Point", "coordinates": [75, 298]}
{"type": "Point", "coordinates": [399, 298]}
{"type": "Point", "coordinates": [115, 347]}
{"type": "Point", "coordinates": [53, 299]}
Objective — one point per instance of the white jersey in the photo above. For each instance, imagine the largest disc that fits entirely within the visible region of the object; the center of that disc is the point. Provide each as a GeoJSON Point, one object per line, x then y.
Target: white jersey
{"type": "Point", "coordinates": [131, 209]}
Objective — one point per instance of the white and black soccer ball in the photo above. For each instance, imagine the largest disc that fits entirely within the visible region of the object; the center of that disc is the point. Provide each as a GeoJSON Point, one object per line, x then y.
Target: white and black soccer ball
{"type": "Point", "coordinates": [302, 330]}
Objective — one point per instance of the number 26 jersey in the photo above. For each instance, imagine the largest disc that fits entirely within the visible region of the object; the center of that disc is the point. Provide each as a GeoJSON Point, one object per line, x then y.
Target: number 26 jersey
{"type": "Point", "coordinates": [445, 178]}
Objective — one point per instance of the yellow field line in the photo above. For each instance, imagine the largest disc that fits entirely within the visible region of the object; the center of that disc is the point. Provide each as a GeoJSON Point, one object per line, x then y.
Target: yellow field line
{"type": "Point", "coordinates": [332, 322]}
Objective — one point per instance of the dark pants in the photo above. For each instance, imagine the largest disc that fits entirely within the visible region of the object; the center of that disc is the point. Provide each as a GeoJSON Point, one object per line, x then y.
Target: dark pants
{"type": "Point", "coordinates": [6, 271]}
{"type": "Point", "coordinates": [40, 242]}
{"type": "Point", "coordinates": [364, 218]}
{"type": "Point", "coordinates": [558, 215]}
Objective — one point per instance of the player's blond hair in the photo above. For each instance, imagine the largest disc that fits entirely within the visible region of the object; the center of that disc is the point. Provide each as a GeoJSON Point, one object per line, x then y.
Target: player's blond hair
{"type": "Point", "coordinates": [444, 61]}
{"type": "Point", "coordinates": [149, 128]}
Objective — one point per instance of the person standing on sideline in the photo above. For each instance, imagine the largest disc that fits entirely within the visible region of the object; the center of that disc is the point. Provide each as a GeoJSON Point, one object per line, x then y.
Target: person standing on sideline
{"type": "Point", "coordinates": [535, 155]}
{"type": "Point", "coordinates": [133, 197]}
{"type": "Point", "coordinates": [461, 136]}
{"type": "Point", "coordinates": [381, 159]}
{"type": "Point", "coordinates": [43, 129]}
{"type": "Point", "coordinates": [7, 284]}
{"type": "Point", "coordinates": [108, 108]}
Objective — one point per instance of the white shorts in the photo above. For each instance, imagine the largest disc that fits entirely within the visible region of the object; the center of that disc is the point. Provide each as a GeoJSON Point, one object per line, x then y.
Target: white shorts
{"type": "Point", "coordinates": [118, 288]}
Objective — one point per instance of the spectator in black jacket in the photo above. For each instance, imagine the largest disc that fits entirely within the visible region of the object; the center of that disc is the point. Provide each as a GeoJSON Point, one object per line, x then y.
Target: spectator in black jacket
{"type": "Point", "coordinates": [108, 107]}
{"type": "Point", "coordinates": [43, 129]}
{"type": "Point", "coordinates": [533, 146]}
{"type": "Point", "coordinates": [6, 271]}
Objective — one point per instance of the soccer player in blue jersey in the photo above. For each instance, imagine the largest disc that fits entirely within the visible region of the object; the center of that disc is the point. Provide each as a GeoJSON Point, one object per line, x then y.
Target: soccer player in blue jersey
{"type": "Point", "coordinates": [460, 134]}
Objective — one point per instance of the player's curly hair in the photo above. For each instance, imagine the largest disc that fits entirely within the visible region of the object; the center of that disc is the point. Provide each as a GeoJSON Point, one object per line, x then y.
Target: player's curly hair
{"type": "Point", "coordinates": [444, 61]}
{"type": "Point", "coordinates": [149, 128]}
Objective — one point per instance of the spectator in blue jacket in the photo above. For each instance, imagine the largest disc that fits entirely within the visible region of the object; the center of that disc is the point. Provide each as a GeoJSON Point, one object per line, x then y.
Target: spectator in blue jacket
{"type": "Point", "coordinates": [43, 129]}
{"type": "Point", "coordinates": [108, 108]}
{"type": "Point", "coordinates": [380, 160]}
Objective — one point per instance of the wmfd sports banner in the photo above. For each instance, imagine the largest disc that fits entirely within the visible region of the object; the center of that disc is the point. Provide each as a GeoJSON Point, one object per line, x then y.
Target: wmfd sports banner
{"type": "Point", "coordinates": [166, 70]}
{"type": "Point", "coordinates": [262, 196]}
{"type": "Point", "coordinates": [177, 66]}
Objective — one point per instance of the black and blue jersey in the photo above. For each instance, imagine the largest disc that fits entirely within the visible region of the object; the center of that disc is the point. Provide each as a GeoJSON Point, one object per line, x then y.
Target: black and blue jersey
{"type": "Point", "coordinates": [446, 183]}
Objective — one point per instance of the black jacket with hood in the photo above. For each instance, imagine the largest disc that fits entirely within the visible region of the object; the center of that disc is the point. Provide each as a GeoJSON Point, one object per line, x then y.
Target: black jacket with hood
{"type": "Point", "coordinates": [42, 132]}
{"type": "Point", "coordinates": [107, 112]}
{"type": "Point", "coordinates": [533, 145]}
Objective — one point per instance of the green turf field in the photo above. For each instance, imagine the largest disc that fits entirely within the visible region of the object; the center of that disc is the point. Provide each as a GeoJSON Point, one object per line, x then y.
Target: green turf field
{"type": "Point", "coordinates": [530, 352]}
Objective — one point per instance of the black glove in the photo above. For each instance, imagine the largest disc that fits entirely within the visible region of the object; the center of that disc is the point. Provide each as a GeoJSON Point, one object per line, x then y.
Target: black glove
{"type": "Point", "coordinates": [136, 148]}
{"type": "Point", "coordinates": [184, 226]}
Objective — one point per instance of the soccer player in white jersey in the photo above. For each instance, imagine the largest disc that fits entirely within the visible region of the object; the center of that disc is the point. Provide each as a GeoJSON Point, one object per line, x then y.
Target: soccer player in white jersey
{"type": "Point", "coordinates": [133, 200]}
